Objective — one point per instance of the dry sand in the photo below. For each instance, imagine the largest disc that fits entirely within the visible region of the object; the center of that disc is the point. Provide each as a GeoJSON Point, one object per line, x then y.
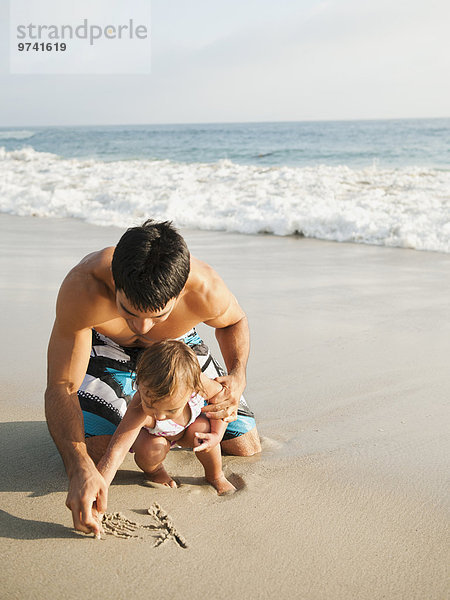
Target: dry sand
{"type": "Point", "coordinates": [350, 381]}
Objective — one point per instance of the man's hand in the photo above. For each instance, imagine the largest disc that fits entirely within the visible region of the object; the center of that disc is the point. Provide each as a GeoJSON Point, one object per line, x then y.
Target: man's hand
{"type": "Point", "coordinates": [87, 499]}
{"type": "Point", "coordinates": [224, 404]}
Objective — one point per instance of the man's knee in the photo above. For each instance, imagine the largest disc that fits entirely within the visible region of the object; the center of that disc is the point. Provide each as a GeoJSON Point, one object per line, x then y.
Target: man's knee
{"type": "Point", "coordinates": [247, 444]}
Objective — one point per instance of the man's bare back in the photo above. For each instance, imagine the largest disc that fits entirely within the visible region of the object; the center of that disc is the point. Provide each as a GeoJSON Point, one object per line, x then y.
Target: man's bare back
{"type": "Point", "coordinates": [205, 298]}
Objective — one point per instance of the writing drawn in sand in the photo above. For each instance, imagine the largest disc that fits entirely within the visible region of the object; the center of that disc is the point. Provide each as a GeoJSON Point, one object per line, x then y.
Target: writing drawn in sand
{"type": "Point", "coordinates": [118, 525]}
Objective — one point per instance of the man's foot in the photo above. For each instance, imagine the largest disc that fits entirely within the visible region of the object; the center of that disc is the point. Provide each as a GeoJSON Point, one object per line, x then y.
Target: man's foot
{"type": "Point", "coordinates": [159, 478]}
{"type": "Point", "coordinates": [222, 486]}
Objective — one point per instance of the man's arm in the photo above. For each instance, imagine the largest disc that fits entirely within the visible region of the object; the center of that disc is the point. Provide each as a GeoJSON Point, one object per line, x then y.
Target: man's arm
{"type": "Point", "coordinates": [68, 357]}
{"type": "Point", "coordinates": [234, 343]}
{"type": "Point", "coordinates": [233, 337]}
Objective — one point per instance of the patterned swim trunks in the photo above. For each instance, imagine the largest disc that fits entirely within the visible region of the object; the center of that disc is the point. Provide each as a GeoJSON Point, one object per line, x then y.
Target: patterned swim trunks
{"type": "Point", "coordinates": [107, 387]}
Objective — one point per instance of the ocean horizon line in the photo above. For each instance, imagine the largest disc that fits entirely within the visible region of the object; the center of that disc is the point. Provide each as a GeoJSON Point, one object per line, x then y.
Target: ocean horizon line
{"type": "Point", "coordinates": [203, 123]}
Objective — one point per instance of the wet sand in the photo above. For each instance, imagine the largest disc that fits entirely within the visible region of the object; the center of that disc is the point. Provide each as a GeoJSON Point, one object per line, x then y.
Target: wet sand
{"type": "Point", "coordinates": [349, 379]}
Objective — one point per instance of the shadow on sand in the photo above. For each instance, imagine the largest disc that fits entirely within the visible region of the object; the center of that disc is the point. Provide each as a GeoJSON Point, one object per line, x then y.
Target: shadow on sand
{"type": "Point", "coordinates": [29, 460]}
{"type": "Point", "coordinates": [28, 529]}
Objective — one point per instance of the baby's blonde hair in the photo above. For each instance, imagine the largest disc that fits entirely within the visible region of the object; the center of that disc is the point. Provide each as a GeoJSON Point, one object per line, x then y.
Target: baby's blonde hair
{"type": "Point", "coordinates": [167, 367]}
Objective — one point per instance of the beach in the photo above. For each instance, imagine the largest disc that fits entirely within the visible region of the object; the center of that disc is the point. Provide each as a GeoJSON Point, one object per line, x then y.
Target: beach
{"type": "Point", "coordinates": [349, 379]}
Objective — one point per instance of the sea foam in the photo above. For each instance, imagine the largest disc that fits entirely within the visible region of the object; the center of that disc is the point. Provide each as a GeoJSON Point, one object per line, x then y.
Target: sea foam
{"type": "Point", "coordinates": [404, 207]}
{"type": "Point", "coordinates": [16, 134]}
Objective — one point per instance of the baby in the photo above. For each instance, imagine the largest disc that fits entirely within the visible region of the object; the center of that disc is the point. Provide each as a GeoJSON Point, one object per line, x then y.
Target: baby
{"type": "Point", "coordinates": [166, 411]}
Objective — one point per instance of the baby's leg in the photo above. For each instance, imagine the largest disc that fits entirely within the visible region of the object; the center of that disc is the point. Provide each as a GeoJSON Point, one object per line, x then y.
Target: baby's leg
{"type": "Point", "coordinates": [149, 453]}
{"type": "Point", "coordinates": [211, 460]}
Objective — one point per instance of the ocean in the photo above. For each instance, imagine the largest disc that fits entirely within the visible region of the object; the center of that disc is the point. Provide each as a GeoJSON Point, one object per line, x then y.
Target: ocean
{"type": "Point", "coordinates": [384, 182]}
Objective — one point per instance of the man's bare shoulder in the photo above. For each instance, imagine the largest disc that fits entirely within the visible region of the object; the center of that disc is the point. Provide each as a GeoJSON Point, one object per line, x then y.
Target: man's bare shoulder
{"type": "Point", "coordinates": [207, 293]}
{"type": "Point", "coordinates": [86, 297]}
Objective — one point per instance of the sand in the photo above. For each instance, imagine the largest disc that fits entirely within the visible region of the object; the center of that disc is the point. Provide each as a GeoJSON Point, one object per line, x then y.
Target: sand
{"type": "Point", "coordinates": [118, 525]}
{"type": "Point", "coordinates": [349, 378]}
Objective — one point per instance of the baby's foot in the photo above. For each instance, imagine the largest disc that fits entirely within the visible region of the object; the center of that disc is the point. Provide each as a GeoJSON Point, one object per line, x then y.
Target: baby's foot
{"type": "Point", "coordinates": [222, 486]}
{"type": "Point", "coordinates": [159, 478]}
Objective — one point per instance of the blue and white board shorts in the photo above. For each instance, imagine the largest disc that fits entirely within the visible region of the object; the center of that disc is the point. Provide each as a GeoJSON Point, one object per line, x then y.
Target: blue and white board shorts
{"type": "Point", "coordinates": [107, 388]}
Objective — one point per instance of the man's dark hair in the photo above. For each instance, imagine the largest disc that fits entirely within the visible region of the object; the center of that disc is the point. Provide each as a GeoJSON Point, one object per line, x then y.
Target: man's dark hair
{"type": "Point", "coordinates": [151, 264]}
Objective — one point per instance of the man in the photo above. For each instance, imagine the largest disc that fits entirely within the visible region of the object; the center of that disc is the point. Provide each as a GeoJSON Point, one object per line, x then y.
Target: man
{"type": "Point", "coordinates": [112, 305]}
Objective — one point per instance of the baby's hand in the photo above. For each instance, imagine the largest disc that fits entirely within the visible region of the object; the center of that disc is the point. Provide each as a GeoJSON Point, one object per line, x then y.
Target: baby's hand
{"type": "Point", "coordinates": [204, 442]}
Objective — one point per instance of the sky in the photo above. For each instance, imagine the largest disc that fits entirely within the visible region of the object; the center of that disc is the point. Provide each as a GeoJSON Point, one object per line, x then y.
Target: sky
{"type": "Point", "coordinates": [256, 60]}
